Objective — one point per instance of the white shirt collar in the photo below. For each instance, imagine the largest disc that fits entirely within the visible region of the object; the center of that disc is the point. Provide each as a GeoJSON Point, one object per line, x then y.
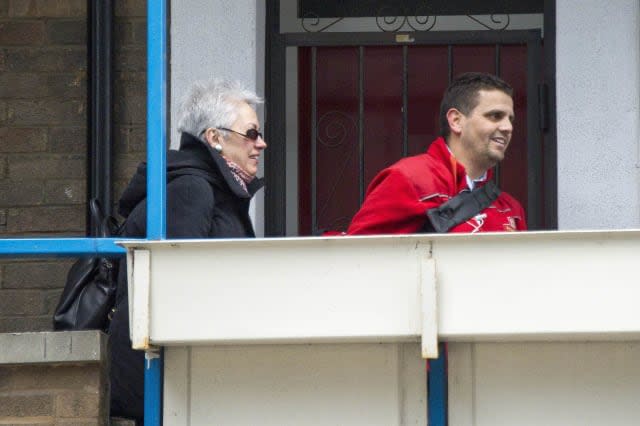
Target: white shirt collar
{"type": "Point", "coordinates": [471, 183]}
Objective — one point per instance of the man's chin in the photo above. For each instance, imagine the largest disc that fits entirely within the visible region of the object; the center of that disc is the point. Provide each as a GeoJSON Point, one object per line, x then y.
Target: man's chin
{"type": "Point", "coordinates": [497, 155]}
{"type": "Point", "coordinates": [494, 159]}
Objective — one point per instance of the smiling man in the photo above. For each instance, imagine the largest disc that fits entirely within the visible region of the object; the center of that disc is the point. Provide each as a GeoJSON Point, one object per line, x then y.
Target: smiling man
{"type": "Point", "coordinates": [476, 121]}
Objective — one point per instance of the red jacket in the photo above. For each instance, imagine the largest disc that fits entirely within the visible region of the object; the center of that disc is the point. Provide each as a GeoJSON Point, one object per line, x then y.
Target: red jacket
{"type": "Point", "coordinates": [399, 196]}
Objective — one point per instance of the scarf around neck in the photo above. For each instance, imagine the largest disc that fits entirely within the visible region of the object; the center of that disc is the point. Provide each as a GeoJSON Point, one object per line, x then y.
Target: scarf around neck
{"type": "Point", "coordinates": [240, 176]}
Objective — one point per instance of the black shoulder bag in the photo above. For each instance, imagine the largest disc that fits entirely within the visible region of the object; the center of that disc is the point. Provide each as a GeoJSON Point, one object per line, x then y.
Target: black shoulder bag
{"type": "Point", "coordinates": [90, 290]}
{"type": "Point", "coordinates": [460, 208]}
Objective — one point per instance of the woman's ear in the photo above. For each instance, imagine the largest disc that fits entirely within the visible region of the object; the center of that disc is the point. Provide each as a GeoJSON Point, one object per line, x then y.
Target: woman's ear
{"type": "Point", "coordinates": [455, 119]}
{"type": "Point", "coordinates": [212, 136]}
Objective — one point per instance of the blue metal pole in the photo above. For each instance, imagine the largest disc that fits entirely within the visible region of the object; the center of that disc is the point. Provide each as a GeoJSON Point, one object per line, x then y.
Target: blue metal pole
{"type": "Point", "coordinates": [153, 387]}
{"type": "Point", "coordinates": [156, 177]}
{"type": "Point", "coordinates": [60, 247]}
{"type": "Point", "coordinates": [437, 389]}
{"type": "Point", "coordinates": [156, 119]}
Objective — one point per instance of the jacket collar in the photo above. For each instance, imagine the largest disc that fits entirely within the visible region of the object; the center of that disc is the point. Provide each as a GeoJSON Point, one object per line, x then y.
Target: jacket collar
{"type": "Point", "coordinates": [440, 150]}
{"type": "Point", "coordinates": [189, 142]}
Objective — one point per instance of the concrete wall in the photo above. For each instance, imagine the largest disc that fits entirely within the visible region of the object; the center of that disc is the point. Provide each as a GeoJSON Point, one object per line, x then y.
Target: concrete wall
{"type": "Point", "coordinates": [598, 96]}
{"type": "Point", "coordinates": [218, 38]}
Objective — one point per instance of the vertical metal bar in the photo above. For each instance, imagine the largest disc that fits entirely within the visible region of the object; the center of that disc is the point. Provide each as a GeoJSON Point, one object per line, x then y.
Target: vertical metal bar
{"type": "Point", "coordinates": [550, 153]}
{"type": "Point", "coordinates": [156, 174]}
{"type": "Point", "coordinates": [100, 106]}
{"type": "Point", "coordinates": [153, 362]}
{"type": "Point", "coordinates": [437, 378]}
{"type": "Point", "coordinates": [360, 124]}
{"type": "Point", "coordinates": [275, 124]}
{"type": "Point", "coordinates": [450, 62]}
{"type": "Point", "coordinates": [156, 119]}
{"type": "Point", "coordinates": [534, 133]}
{"type": "Point", "coordinates": [497, 169]}
{"type": "Point", "coordinates": [314, 138]}
{"type": "Point", "coordinates": [437, 389]}
{"type": "Point", "coordinates": [405, 101]}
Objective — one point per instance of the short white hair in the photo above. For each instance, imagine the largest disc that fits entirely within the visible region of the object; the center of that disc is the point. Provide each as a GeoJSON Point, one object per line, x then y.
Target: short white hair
{"type": "Point", "coordinates": [213, 104]}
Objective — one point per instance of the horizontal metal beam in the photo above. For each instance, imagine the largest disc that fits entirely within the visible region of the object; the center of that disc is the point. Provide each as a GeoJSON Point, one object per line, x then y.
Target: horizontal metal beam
{"type": "Point", "coordinates": [311, 9]}
{"type": "Point", "coordinates": [60, 247]}
{"type": "Point", "coordinates": [410, 38]}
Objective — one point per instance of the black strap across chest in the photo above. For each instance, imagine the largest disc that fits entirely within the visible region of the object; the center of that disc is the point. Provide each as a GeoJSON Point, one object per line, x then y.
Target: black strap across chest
{"type": "Point", "coordinates": [460, 208]}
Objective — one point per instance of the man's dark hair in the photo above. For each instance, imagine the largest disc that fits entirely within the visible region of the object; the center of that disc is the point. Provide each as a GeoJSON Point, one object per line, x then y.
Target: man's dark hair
{"type": "Point", "coordinates": [462, 94]}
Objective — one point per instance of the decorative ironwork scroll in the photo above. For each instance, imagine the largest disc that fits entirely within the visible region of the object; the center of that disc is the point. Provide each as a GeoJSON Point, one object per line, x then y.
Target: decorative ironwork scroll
{"type": "Point", "coordinates": [387, 23]}
{"type": "Point", "coordinates": [497, 23]}
{"type": "Point", "coordinates": [395, 23]}
{"type": "Point", "coordinates": [416, 15]}
{"type": "Point", "coordinates": [312, 23]}
{"type": "Point", "coordinates": [334, 130]}
{"type": "Point", "coordinates": [422, 23]}
{"type": "Point", "coordinates": [334, 127]}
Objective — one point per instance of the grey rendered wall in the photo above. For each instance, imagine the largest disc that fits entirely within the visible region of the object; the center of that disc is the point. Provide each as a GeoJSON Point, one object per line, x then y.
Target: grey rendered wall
{"type": "Point", "coordinates": [598, 75]}
{"type": "Point", "coordinates": [217, 38]}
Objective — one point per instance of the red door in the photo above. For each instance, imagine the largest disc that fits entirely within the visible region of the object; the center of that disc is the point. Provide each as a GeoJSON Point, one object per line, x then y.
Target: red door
{"type": "Point", "coordinates": [353, 122]}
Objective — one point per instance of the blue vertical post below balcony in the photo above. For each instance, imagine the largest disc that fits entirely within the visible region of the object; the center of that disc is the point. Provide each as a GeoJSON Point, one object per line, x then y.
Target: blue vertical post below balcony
{"type": "Point", "coordinates": [156, 176]}
{"type": "Point", "coordinates": [437, 388]}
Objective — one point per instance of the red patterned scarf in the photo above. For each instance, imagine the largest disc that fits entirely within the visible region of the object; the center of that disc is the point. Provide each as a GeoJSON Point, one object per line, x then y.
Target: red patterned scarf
{"type": "Point", "coordinates": [242, 177]}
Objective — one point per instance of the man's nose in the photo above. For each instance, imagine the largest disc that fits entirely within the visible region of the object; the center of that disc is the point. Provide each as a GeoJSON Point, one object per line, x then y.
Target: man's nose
{"type": "Point", "coordinates": [506, 125]}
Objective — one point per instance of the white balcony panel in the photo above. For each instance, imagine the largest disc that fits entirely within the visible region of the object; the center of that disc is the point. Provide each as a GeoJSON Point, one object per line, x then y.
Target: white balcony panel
{"type": "Point", "coordinates": [539, 286]}
{"type": "Point", "coordinates": [286, 290]}
{"type": "Point", "coordinates": [512, 286]}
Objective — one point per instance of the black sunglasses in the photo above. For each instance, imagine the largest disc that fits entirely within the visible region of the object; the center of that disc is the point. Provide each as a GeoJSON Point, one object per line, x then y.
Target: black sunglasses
{"type": "Point", "coordinates": [252, 134]}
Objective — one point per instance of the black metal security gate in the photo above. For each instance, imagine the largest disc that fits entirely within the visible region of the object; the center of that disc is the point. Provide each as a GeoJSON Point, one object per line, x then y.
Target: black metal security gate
{"type": "Point", "coordinates": [327, 202]}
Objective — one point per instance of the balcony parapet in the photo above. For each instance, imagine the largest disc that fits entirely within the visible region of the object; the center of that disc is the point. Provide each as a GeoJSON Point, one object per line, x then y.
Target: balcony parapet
{"type": "Point", "coordinates": [577, 285]}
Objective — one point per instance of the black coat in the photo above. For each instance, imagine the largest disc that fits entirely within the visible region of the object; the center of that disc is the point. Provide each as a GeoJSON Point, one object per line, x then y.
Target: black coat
{"type": "Point", "coordinates": [203, 201]}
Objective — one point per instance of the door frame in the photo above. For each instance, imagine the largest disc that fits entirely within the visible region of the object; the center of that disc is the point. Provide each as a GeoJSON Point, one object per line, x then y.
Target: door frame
{"type": "Point", "coordinates": [542, 110]}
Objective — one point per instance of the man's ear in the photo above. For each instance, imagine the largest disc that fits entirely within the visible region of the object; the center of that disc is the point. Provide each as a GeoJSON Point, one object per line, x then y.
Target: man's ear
{"type": "Point", "coordinates": [455, 118]}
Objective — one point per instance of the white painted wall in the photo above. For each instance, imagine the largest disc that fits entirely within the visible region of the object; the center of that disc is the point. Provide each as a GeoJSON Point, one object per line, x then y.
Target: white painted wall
{"type": "Point", "coordinates": [598, 97]}
{"type": "Point", "coordinates": [286, 385]}
{"type": "Point", "coordinates": [217, 38]}
{"type": "Point", "coordinates": [544, 383]}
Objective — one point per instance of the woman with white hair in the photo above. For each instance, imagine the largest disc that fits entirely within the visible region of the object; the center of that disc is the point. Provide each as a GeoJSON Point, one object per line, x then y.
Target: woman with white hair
{"type": "Point", "coordinates": [210, 182]}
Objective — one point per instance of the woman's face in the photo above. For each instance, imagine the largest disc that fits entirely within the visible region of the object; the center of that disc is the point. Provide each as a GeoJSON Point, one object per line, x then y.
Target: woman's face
{"type": "Point", "coordinates": [240, 149]}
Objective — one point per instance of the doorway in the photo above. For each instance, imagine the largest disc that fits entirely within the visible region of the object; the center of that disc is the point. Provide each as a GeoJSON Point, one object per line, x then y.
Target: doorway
{"type": "Point", "coordinates": [364, 100]}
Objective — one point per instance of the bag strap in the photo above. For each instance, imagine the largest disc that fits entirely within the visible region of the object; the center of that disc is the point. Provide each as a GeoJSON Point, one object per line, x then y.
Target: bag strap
{"type": "Point", "coordinates": [107, 225]}
{"type": "Point", "coordinates": [461, 208]}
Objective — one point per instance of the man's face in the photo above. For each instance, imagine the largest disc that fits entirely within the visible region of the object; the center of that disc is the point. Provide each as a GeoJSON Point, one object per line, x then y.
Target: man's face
{"type": "Point", "coordinates": [486, 131]}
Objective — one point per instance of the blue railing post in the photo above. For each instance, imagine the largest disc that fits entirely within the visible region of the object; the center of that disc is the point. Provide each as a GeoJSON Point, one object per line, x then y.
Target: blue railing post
{"type": "Point", "coordinates": [156, 119]}
{"type": "Point", "coordinates": [437, 389]}
{"type": "Point", "coordinates": [156, 177]}
{"type": "Point", "coordinates": [153, 366]}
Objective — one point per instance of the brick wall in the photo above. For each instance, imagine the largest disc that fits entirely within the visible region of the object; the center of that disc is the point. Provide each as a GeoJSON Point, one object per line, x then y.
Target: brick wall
{"type": "Point", "coordinates": [130, 89]}
{"type": "Point", "coordinates": [43, 116]}
{"type": "Point", "coordinates": [53, 394]}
